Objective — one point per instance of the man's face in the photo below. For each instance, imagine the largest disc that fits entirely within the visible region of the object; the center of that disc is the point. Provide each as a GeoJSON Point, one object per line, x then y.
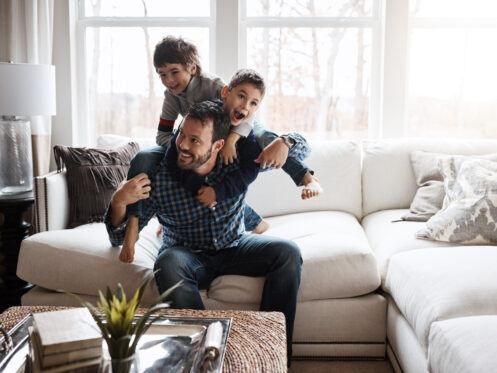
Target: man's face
{"type": "Point", "coordinates": [194, 143]}
{"type": "Point", "coordinates": [175, 76]}
{"type": "Point", "coordinates": [241, 102]}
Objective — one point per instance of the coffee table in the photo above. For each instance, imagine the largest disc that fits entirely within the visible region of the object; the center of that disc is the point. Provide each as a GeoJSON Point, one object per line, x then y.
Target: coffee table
{"type": "Point", "coordinates": [256, 343]}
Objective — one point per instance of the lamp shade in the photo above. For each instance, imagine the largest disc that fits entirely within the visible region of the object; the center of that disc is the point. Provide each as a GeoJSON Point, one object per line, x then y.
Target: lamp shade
{"type": "Point", "coordinates": [27, 89]}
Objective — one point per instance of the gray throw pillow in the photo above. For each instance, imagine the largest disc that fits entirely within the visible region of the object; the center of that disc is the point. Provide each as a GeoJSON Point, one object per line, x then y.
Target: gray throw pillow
{"type": "Point", "coordinates": [92, 177]}
{"type": "Point", "coordinates": [469, 214]}
{"type": "Point", "coordinates": [430, 194]}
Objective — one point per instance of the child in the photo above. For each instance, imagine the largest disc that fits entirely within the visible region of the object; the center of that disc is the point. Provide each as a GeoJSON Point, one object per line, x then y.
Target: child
{"type": "Point", "coordinates": [177, 63]}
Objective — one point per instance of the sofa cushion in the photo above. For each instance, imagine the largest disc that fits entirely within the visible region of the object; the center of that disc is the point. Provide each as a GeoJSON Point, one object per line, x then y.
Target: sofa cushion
{"type": "Point", "coordinates": [92, 176]}
{"type": "Point", "coordinates": [337, 165]}
{"type": "Point", "coordinates": [388, 235]}
{"type": "Point", "coordinates": [469, 213]}
{"type": "Point", "coordinates": [338, 262]}
{"type": "Point", "coordinates": [388, 181]}
{"type": "Point", "coordinates": [441, 283]}
{"type": "Point", "coordinates": [463, 345]}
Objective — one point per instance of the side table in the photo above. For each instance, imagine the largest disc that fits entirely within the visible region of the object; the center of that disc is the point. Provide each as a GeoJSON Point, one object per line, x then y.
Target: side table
{"type": "Point", "coordinates": [13, 229]}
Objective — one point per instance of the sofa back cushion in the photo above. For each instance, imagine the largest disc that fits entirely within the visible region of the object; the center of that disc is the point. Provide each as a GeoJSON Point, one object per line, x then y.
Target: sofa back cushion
{"type": "Point", "coordinates": [337, 165]}
{"type": "Point", "coordinates": [388, 181]}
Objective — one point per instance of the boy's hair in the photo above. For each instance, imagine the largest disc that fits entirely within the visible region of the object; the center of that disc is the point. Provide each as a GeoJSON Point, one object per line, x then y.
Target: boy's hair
{"type": "Point", "coordinates": [176, 50]}
{"type": "Point", "coordinates": [248, 76]}
{"type": "Point", "coordinates": [211, 110]}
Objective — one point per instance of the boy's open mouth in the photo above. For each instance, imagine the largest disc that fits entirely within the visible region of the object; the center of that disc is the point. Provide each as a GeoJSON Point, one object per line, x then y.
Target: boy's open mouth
{"type": "Point", "coordinates": [238, 115]}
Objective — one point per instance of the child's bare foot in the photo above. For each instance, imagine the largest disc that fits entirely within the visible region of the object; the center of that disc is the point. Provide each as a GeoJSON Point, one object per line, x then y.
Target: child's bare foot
{"type": "Point", "coordinates": [312, 188]}
{"type": "Point", "coordinates": [127, 253]}
{"type": "Point", "coordinates": [261, 227]}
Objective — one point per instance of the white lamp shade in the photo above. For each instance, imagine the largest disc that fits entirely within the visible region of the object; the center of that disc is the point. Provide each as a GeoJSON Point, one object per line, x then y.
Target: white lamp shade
{"type": "Point", "coordinates": [27, 89]}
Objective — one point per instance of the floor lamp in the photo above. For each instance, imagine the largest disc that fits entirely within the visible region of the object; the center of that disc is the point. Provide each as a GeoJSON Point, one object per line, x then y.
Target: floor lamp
{"type": "Point", "coordinates": [25, 90]}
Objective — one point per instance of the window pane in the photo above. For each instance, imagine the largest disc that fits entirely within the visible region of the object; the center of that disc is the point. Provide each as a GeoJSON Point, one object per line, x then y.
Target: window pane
{"type": "Point", "coordinates": [452, 83]}
{"type": "Point", "coordinates": [454, 8]}
{"type": "Point", "coordinates": [317, 8]}
{"type": "Point", "coordinates": [320, 91]}
{"type": "Point", "coordinates": [149, 8]}
{"type": "Point", "coordinates": [125, 93]}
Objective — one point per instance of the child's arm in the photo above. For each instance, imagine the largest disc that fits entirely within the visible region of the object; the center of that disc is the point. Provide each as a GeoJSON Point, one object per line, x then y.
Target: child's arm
{"type": "Point", "coordinates": [170, 111]}
{"type": "Point", "coordinates": [228, 152]}
{"type": "Point", "coordinates": [280, 148]}
{"type": "Point", "coordinates": [236, 182]}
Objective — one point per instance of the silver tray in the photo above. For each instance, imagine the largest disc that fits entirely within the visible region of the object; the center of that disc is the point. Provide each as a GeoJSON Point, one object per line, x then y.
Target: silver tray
{"type": "Point", "coordinates": [171, 344]}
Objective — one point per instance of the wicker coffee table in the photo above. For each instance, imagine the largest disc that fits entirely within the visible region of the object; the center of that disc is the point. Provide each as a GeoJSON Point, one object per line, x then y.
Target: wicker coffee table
{"type": "Point", "coordinates": [256, 343]}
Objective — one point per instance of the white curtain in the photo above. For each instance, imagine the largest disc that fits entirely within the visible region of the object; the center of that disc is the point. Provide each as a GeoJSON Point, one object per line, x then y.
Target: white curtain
{"type": "Point", "coordinates": [27, 37]}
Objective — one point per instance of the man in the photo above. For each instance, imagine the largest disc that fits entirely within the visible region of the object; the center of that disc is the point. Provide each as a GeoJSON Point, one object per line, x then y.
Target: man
{"type": "Point", "coordinates": [200, 243]}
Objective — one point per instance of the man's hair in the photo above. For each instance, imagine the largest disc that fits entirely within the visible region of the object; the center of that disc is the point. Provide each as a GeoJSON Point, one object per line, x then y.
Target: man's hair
{"type": "Point", "coordinates": [248, 76]}
{"type": "Point", "coordinates": [176, 50]}
{"type": "Point", "coordinates": [211, 110]}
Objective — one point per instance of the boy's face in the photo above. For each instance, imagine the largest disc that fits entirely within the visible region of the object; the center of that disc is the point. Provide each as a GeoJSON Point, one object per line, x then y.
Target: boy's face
{"type": "Point", "coordinates": [175, 76]}
{"type": "Point", "coordinates": [241, 102]}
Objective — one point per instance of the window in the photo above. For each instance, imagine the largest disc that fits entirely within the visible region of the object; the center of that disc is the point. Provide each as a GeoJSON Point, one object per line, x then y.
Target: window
{"type": "Point", "coordinates": [451, 69]}
{"type": "Point", "coordinates": [122, 90]}
{"type": "Point", "coordinates": [317, 59]}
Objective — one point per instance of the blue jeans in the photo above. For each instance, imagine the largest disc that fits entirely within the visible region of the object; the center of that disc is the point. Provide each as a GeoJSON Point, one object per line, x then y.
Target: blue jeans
{"type": "Point", "coordinates": [255, 256]}
{"type": "Point", "coordinates": [147, 161]}
{"type": "Point", "coordinates": [294, 167]}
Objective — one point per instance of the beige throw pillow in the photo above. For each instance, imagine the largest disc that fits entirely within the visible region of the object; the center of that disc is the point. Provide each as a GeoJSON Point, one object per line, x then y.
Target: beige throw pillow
{"type": "Point", "coordinates": [469, 214]}
{"type": "Point", "coordinates": [430, 194]}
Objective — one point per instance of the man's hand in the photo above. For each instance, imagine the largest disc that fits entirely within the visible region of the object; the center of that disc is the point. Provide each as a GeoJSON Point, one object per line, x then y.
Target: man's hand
{"type": "Point", "coordinates": [207, 196]}
{"type": "Point", "coordinates": [228, 152]}
{"type": "Point", "coordinates": [132, 191]}
{"type": "Point", "coordinates": [127, 193]}
{"type": "Point", "coordinates": [273, 155]}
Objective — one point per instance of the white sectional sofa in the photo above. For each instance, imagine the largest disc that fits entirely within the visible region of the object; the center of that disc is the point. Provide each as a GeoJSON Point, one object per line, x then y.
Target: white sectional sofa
{"type": "Point", "coordinates": [368, 285]}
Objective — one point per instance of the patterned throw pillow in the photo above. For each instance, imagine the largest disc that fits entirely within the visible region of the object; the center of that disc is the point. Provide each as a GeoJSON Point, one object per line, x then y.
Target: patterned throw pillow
{"type": "Point", "coordinates": [430, 194]}
{"type": "Point", "coordinates": [92, 177]}
{"type": "Point", "coordinates": [469, 212]}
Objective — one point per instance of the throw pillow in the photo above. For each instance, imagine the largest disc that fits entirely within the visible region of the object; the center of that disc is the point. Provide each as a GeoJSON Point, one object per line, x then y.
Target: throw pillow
{"type": "Point", "coordinates": [469, 214]}
{"type": "Point", "coordinates": [430, 194]}
{"type": "Point", "coordinates": [92, 177]}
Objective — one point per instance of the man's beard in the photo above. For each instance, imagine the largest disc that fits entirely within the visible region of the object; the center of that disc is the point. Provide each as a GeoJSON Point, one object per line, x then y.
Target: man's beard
{"type": "Point", "coordinates": [197, 160]}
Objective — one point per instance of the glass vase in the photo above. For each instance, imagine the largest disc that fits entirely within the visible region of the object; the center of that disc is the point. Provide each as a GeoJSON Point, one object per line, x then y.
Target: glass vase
{"type": "Point", "coordinates": [128, 364]}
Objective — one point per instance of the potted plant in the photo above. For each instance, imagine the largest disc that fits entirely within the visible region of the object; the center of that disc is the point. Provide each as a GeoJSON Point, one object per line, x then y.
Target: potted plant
{"type": "Point", "coordinates": [121, 328]}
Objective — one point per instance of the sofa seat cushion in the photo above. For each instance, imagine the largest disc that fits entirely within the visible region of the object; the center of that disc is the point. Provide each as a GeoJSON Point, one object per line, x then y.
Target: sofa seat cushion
{"type": "Point", "coordinates": [82, 260]}
{"type": "Point", "coordinates": [464, 345]}
{"type": "Point", "coordinates": [389, 236]}
{"type": "Point", "coordinates": [442, 283]}
{"type": "Point", "coordinates": [338, 262]}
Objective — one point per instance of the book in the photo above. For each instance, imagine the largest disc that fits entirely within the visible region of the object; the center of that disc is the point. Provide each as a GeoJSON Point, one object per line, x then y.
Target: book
{"type": "Point", "coordinates": [66, 330]}
{"type": "Point", "coordinates": [65, 357]}
{"type": "Point", "coordinates": [82, 366]}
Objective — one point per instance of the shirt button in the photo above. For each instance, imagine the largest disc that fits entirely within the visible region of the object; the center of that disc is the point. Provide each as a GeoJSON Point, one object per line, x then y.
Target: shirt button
{"type": "Point", "coordinates": [214, 240]}
{"type": "Point", "coordinates": [213, 208]}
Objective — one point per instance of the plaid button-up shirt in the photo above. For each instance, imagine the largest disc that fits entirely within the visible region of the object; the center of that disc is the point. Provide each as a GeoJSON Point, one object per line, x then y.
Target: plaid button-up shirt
{"type": "Point", "coordinates": [184, 220]}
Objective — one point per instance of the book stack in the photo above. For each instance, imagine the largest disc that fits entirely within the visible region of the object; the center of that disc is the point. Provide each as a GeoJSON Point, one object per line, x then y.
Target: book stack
{"type": "Point", "coordinates": [67, 340]}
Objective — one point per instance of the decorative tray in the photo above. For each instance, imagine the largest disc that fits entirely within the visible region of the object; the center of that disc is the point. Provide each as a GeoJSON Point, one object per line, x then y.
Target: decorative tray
{"type": "Point", "coordinates": [171, 344]}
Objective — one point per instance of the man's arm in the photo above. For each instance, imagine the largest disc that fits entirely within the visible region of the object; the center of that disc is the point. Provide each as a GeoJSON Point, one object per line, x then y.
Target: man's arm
{"type": "Point", "coordinates": [129, 192]}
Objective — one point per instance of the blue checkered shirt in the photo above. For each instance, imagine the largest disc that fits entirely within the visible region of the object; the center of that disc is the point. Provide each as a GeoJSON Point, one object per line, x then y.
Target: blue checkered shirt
{"type": "Point", "coordinates": [184, 220]}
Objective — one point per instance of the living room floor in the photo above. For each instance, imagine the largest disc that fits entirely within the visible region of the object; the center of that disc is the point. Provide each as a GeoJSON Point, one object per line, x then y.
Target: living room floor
{"type": "Point", "coordinates": [382, 366]}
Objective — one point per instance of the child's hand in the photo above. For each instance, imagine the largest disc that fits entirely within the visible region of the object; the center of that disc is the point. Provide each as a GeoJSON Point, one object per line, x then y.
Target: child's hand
{"type": "Point", "coordinates": [207, 196]}
{"type": "Point", "coordinates": [228, 153]}
{"type": "Point", "coordinates": [273, 155]}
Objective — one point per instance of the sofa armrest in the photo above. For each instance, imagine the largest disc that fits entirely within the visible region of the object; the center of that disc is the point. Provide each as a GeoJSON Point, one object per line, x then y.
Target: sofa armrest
{"type": "Point", "coordinates": [51, 201]}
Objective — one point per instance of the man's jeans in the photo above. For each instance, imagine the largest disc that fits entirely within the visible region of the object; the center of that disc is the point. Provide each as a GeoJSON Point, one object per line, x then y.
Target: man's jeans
{"type": "Point", "coordinates": [255, 256]}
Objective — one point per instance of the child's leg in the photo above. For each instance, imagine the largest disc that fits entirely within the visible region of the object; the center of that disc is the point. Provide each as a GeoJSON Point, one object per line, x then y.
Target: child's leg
{"type": "Point", "coordinates": [146, 161]}
{"type": "Point", "coordinates": [254, 222]}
